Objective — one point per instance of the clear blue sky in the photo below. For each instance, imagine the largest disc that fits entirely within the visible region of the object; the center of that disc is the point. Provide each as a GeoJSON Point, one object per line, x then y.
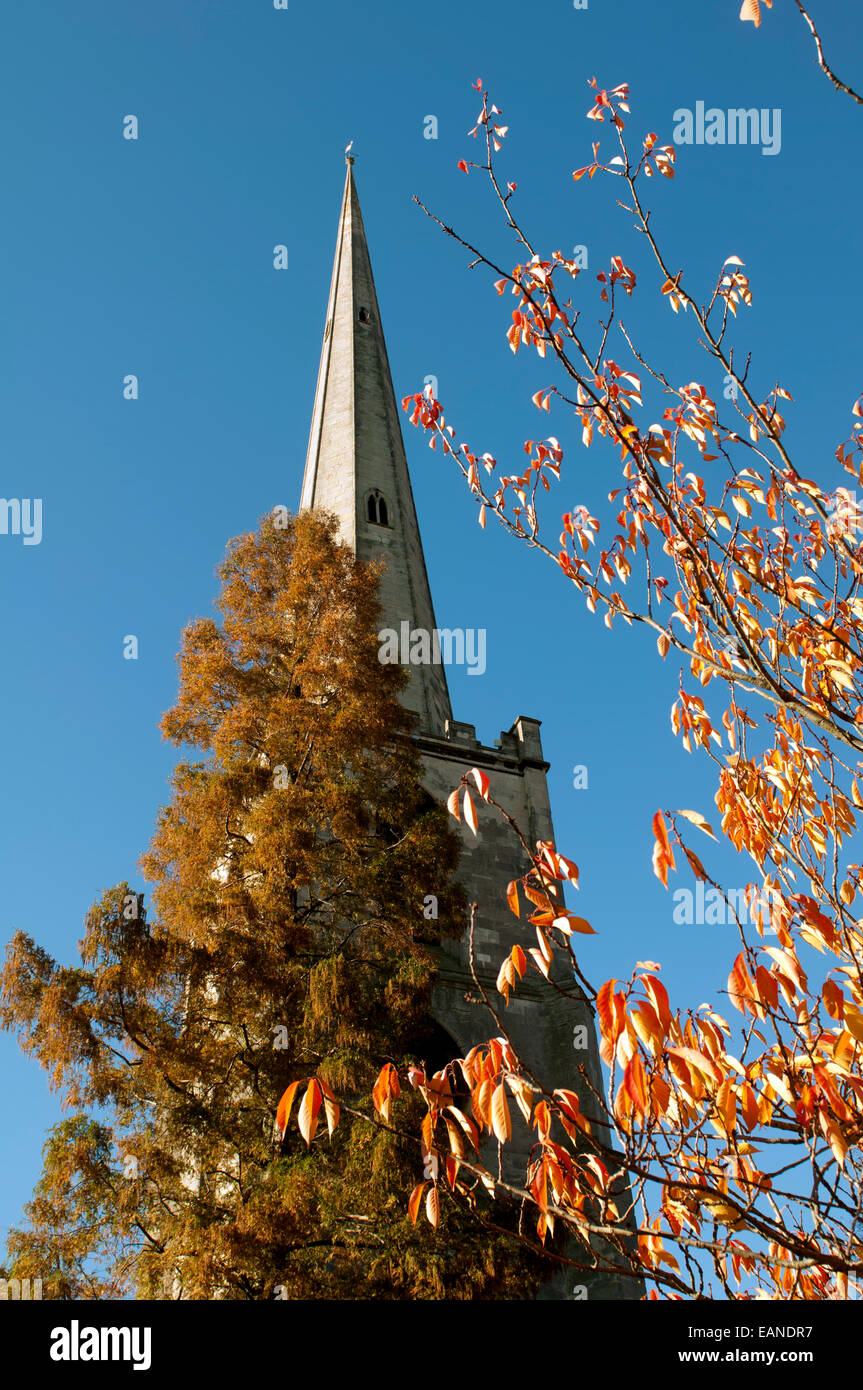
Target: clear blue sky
{"type": "Point", "coordinates": [155, 258]}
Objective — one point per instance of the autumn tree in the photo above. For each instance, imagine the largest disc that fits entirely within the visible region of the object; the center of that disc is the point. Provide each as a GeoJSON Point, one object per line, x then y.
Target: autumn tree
{"type": "Point", "coordinates": [285, 950]}
{"type": "Point", "coordinates": [736, 1145]}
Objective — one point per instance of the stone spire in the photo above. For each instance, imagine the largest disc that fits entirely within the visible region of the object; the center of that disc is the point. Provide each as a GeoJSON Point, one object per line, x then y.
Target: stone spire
{"type": "Point", "coordinates": [356, 465]}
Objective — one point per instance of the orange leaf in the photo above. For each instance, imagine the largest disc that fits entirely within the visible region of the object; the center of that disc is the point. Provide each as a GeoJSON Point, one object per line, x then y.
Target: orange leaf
{"type": "Point", "coordinates": [545, 948]}
{"type": "Point", "coordinates": [505, 977]}
{"type": "Point", "coordinates": [481, 781]}
{"type": "Point", "coordinates": [307, 1120]}
{"type": "Point", "coordinates": [539, 960]}
{"type": "Point", "coordinates": [696, 1059]}
{"type": "Point", "coordinates": [542, 1119]}
{"type": "Point", "coordinates": [766, 987]}
{"type": "Point", "coordinates": [751, 9]}
{"type": "Point", "coordinates": [433, 1207]}
{"type": "Point", "coordinates": [501, 1122]}
{"type": "Point", "coordinates": [647, 1025]}
{"type": "Point", "coordinates": [660, 832]}
{"type": "Point", "coordinates": [452, 804]}
{"type": "Point", "coordinates": [697, 819]}
{"type": "Point", "coordinates": [283, 1114]}
{"type": "Point", "coordinates": [456, 1142]}
{"type": "Point", "coordinates": [427, 1132]}
{"type": "Point", "coordinates": [660, 865]}
{"type": "Point", "coordinates": [740, 987]}
{"type": "Point", "coordinates": [695, 864]}
{"type": "Point", "coordinates": [726, 1106]}
{"type": "Point", "coordinates": [854, 1022]}
{"type": "Point", "coordinates": [834, 999]}
{"type": "Point", "coordinates": [604, 1007]}
{"type": "Point", "coordinates": [659, 995]}
{"type": "Point", "coordinates": [580, 924]}
{"type": "Point", "coordinates": [663, 855]}
{"type": "Point", "coordinates": [836, 1142]}
{"type": "Point", "coordinates": [386, 1086]}
{"type": "Point", "coordinates": [512, 898]}
{"type": "Point", "coordinates": [480, 1101]}
{"type": "Point", "coordinates": [331, 1107]}
{"type": "Point", "coordinates": [749, 1104]}
{"type": "Point", "coordinates": [414, 1203]}
{"type": "Point", "coordinates": [633, 1080]}
{"type": "Point", "coordinates": [467, 1125]}
{"type": "Point", "coordinates": [469, 811]}
{"type": "Point", "coordinates": [790, 965]}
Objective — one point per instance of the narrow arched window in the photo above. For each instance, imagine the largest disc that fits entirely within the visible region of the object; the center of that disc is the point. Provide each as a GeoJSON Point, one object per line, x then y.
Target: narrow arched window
{"type": "Point", "coordinates": [365, 317]}
{"type": "Point", "coordinates": [376, 509]}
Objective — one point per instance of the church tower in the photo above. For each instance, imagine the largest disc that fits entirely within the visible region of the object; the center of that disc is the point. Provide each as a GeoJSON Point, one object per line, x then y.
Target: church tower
{"type": "Point", "coordinates": [356, 468]}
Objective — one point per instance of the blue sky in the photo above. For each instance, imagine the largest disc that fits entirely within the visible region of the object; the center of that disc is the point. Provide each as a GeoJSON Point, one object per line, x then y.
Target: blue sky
{"type": "Point", "coordinates": [154, 257]}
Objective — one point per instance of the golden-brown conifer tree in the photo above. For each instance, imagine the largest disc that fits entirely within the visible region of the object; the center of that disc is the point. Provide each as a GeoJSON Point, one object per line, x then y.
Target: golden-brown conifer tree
{"type": "Point", "coordinates": [285, 938]}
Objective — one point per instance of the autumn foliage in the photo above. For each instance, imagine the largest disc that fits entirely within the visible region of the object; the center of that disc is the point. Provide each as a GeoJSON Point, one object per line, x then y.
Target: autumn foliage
{"type": "Point", "coordinates": [731, 1136]}
{"type": "Point", "coordinates": [284, 957]}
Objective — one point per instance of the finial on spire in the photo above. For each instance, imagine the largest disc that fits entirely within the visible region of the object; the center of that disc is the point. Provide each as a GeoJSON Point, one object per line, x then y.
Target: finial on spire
{"type": "Point", "coordinates": [349, 159]}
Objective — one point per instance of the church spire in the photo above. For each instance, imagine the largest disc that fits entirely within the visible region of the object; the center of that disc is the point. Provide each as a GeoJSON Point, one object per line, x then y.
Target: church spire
{"type": "Point", "coordinates": [356, 464]}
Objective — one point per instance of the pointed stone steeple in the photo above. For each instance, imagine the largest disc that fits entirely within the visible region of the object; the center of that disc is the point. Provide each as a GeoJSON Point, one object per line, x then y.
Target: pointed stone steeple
{"type": "Point", "coordinates": [356, 464]}
{"type": "Point", "coordinates": [356, 468]}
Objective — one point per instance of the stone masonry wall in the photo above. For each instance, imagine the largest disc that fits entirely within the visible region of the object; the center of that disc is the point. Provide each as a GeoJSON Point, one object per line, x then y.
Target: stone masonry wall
{"type": "Point", "coordinates": [541, 1023]}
